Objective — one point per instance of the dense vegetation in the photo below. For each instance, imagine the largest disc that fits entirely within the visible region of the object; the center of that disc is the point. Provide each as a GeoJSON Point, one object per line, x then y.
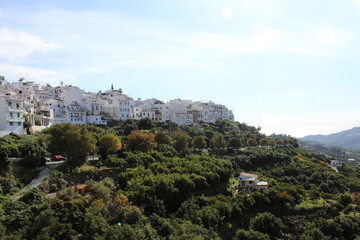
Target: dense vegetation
{"type": "Point", "coordinates": [334, 152]}
{"type": "Point", "coordinates": [155, 181]}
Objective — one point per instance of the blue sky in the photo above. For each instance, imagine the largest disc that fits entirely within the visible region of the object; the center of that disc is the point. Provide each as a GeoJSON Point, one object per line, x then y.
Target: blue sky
{"type": "Point", "coordinates": [293, 66]}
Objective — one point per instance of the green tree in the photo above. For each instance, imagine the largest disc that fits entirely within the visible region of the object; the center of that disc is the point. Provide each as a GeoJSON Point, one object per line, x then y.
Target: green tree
{"type": "Point", "coordinates": [251, 142]}
{"type": "Point", "coordinates": [129, 126]}
{"type": "Point", "coordinates": [263, 142]}
{"type": "Point", "coordinates": [4, 157]}
{"type": "Point", "coordinates": [145, 124]}
{"type": "Point", "coordinates": [234, 142]}
{"type": "Point", "coordinates": [219, 142]}
{"type": "Point", "coordinates": [31, 148]}
{"type": "Point", "coordinates": [199, 142]}
{"type": "Point", "coordinates": [162, 138]}
{"type": "Point", "coordinates": [242, 234]}
{"type": "Point", "coordinates": [181, 140]}
{"type": "Point", "coordinates": [73, 141]}
{"type": "Point", "coordinates": [167, 149]}
{"type": "Point", "coordinates": [312, 234]}
{"type": "Point", "coordinates": [140, 141]}
{"type": "Point", "coordinates": [345, 199]}
{"type": "Point", "coordinates": [267, 223]}
{"type": "Point", "coordinates": [27, 124]}
{"type": "Point", "coordinates": [109, 143]}
{"type": "Point", "coordinates": [271, 142]}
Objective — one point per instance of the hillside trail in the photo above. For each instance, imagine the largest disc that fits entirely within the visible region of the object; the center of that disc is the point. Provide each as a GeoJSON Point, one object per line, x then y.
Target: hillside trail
{"type": "Point", "coordinates": [45, 171]}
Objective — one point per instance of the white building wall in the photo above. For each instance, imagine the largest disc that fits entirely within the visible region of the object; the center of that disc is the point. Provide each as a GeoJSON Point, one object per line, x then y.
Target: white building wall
{"type": "Point", "coordinates": [12, 111]}
{"type": "Point", "coordinates": [125, 109]}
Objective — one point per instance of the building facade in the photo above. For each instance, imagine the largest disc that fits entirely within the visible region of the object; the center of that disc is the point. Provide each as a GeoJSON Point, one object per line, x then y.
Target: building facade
{"type": "Point", "coordinates": [44, 106]}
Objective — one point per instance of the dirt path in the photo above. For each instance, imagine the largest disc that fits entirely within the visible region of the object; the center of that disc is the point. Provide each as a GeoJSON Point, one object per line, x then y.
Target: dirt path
{"type": "Point", "coordinates": [334, 168]}
{"type": "Point", "coordinates": [45, 171]}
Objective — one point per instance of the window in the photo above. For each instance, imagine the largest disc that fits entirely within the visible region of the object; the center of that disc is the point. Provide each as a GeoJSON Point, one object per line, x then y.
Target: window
{"type": "Point", "coordinates": [11, 123]}
{"type": "Point", "coordinates": [19, 124]}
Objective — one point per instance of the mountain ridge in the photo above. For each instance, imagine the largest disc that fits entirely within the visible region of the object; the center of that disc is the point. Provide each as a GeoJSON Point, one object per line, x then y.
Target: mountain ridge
{"type": "Point", "coordinates": [347, 139]}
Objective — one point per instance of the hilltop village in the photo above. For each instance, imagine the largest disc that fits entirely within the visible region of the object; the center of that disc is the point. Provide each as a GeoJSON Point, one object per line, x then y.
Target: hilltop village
{"type": "Point", "coordinates": [90, 175]}
{"type": "Point", "coordinates": [41, 106]}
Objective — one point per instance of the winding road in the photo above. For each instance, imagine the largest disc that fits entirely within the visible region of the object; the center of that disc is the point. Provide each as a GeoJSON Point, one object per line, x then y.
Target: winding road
{"type": "Point", "coordinates": [42, 175]}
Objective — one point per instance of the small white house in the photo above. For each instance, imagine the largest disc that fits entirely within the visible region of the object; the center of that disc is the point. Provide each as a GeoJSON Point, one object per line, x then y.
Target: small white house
{"type": "Point", "coordinates": [250, 181]}
{"type": "Point", "coordinates": [336, 163]}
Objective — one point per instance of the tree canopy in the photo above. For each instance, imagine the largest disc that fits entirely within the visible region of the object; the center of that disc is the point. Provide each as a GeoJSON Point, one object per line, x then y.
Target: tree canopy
{"type": "Point", "coordinates": [109, 143]}
{"type": "Point", "coordinates": [181, 140]}
{"type": "Point", "coordinates": [141, 141]}
{"type": "Point", "coordinates": [70, 140]}
{"type": "Point", "coordinates": [199, 142]}
{"type": "Point", "coordinates": [162, 138]}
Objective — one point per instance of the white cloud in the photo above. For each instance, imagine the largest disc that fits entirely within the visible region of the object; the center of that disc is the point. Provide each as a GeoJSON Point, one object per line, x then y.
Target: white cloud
{"type": "Point", "coordinates": [16, 46]}
{"type": "Point", "coordinates": [265, 40]}
{"type": "Point", "coordinates": [40, 75]}
{"type": "Point", "coordinates": [227, 12]}
{"type": "Point", "coordinates": [207, 40]}
{"type": "Point", "coordinates": [329, 36]}
{"type": "Point", "coordinates": [321, 41]}
{"type": "Point", "coordinates": [125, 62]}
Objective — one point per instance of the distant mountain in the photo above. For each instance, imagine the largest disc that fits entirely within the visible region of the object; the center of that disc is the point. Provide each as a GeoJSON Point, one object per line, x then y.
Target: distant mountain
{"type": "Point", "coordinates": [346, 139]}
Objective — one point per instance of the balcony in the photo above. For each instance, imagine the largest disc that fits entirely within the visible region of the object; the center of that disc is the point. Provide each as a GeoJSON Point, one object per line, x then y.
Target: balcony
{"type": "Point", "coordinates": [15, 119]}
{"type": "Point", "coordinates": [59, 112]}
{"type": "Point", "coordinates": [15, 109]}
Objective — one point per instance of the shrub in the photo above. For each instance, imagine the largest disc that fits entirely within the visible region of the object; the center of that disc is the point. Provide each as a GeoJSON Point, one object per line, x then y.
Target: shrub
{"type": "Point", "coordinates": [162, 138]}
{"type": "Point", "coordinates": [167, 148]}
{"type": "Point", "coordinates": [4, 157]}
{"type": "Point", "coordinates": [267, 223]}
{"type": "Point", "coordinates": [116, 162]}
{"type": "Point", "coordinates": [199, 142]}
{"type": "Point", "coordinates": [242, 234]}
{"type": "Point", "coordinates": [32, 161]}
{"type": "Point", "coordinates": [33, 196]}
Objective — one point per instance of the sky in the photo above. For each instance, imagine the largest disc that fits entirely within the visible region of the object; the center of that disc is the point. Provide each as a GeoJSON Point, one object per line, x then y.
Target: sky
{"type": "Point", "coordinates": [288, 66]}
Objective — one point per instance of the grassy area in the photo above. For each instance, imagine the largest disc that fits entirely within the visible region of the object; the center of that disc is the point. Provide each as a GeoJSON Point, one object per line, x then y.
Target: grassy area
{"type": "Point", "coordinates": [232, 183]}
{"type": "Point", "coordinates": [87, 168]}
{"type": "Point", "coordinates": [311, 204]}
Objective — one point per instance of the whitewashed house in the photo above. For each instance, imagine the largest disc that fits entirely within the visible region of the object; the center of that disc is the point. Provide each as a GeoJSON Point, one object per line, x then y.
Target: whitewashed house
{"type": "Point", "coordinates": [76, 113]}
{"type": "Point", "coordinates": [59, 109]}
{"type": "Point", "coordinates": [144, 111]}
{"type": "Point", "coordinates": [250, 182]}
{"type": "Point", "coordinates": [68, 93]}
{"type": "Point", "coordinates": [336, 163]}
{"type": "Point", "coordinates": [181, 112]}
{"type": "Point", "coordinates": [11, 114]}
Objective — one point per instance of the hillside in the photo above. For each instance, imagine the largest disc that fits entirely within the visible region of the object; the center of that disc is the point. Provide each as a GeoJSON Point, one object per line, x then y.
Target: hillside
{"type": "Point", "coordinates": [346, 139]}
{"type": "Point", "coordinates": [351, 157]}
{"type": "Point", "coordinates": [162, 185]}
